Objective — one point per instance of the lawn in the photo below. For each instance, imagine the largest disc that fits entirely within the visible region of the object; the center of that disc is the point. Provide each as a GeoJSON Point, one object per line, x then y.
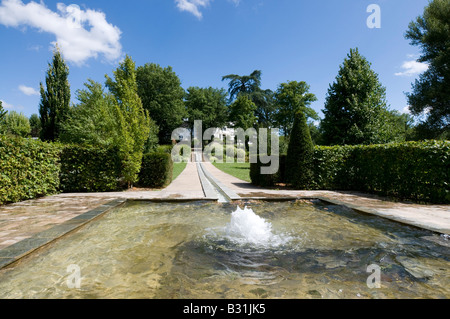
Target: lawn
{"type": "Point", "coordinates": [239, 170]}
{"type": "Point", "coordinates": [178, 168]}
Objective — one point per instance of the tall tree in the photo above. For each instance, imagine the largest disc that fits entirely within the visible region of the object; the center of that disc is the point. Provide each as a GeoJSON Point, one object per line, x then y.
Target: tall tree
{"type": "Point", "coordinates": [35, 124]}
{"type": "Point", "coordinates": [290, 98]}
{"type": "Point", "coordinates": [162, 96]}
{"type": "Point", "coordinates": [55, 98]}
{"type": "Point", "coordinates": [250, 86]}
{"type": "Point", "coordinates": [246, 84]}
{"type": "Point", "coordinates": [208, 105]}
{"type": "Point", "coordinates": [399, 127]}
{"type": "Point", "coordinates": [431, 94]}
{"type": "Point", "coordinates": [93, 121]}
{"type": "Point", "coordinates": [266, 108]}
{"type": "Point", "coordinates": [355, 105]}
{"type": "Point", "coordinates": [16, 124]}
{"type": "Point", "coordinates": [242, 113]}
{"type": "Point", "coordinates": [133, 121]}
{"type": "Point", "coordinates": [2, 112]}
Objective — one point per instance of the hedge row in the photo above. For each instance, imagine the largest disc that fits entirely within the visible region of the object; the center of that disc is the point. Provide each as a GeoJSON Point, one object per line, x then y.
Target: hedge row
{"type": "Point", "coordinates": [156, 170]}
{"type": "Point", "coordinates": [31, 168]}
{"type": "Point", "coordinates": [415, 170]}
{"type": "Point", "coordinates": [268, 180]}
{"type": "Point", "coordinates": [28, 169]}
{"type": "Point", "coordinates": [90, 169]}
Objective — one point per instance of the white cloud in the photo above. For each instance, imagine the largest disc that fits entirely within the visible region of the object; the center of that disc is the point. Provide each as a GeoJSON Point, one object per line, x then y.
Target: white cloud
{"type": "Point", "coordinates": [36, 48]}
{"type": "Point", "coordinates": [28, 90]}
{"type": "Point", "coordinates": [10, 107]}
{"type": "Point", "coordinates": [80, 34]}
{"type": "Point", "coordinates": [192, 6]}
{"type": "Point", "coordinates": [406, 110]}
{"type": "Point", "coordinates": [412, 68]}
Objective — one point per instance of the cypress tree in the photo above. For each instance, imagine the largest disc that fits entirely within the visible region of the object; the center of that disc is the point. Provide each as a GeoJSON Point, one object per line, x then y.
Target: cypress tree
{"type": "Point", "coordinates": [55, 99]}
{"type": "Point", "coordinates": [299, 160]}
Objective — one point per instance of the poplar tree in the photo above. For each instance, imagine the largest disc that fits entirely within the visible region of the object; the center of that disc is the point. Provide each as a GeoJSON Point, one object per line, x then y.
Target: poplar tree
{"type": "Point", "coordinates": [133, 122]}
{"type": "Point", "coordinates": [2, 112]}
{"type": "Point", "coordinates": [55, 98]}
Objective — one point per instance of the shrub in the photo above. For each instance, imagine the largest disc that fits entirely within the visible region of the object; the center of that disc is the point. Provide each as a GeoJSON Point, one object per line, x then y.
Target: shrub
{"type": "Point", "coordinates": [164, 149]}
{"type": "Point", "coordinates": [90, 169]}
{"type": "Point", "coordinates": [28, 169]}
{"type": "Point", "coordinates": [156, 170]}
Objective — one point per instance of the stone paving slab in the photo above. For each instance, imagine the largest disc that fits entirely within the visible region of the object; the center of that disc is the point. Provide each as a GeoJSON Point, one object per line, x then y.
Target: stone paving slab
{"type": "Point", "coordinates": [22, 220]}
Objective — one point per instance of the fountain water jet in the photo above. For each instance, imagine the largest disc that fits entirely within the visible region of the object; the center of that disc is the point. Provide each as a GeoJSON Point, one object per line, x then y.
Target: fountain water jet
{"type": "Point", "coordinates": [246, 227]}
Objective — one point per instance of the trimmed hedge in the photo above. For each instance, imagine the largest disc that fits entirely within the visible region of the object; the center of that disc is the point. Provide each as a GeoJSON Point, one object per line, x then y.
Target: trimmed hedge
{"type": "Point", "coordinates": [156, 170]}
{"type": "Point", "coordinates": [90, 169]}
{"type": "Point", "coordinates": [28, 169]}
{"type": "Point", "coordinates": [415, 170]}
{"type": "Point", "coordinates": [268, 180]}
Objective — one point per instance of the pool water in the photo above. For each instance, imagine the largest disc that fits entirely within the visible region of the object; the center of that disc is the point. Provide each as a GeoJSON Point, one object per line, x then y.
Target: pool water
{"type": "Point", "coordinates": [296, 249]}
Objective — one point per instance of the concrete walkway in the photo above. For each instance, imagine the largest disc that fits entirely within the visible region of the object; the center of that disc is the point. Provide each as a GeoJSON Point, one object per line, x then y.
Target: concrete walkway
{"type": "Point", "coordinates": [23, 220]}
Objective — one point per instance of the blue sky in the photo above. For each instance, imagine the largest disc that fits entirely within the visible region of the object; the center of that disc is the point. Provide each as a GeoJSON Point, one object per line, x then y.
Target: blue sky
{"type": "Point", "coordinates": [205, 39]}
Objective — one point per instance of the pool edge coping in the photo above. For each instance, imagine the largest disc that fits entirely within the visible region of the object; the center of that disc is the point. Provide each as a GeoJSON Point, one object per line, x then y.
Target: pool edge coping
{"type": "Point", "coordinates": [14, 253]}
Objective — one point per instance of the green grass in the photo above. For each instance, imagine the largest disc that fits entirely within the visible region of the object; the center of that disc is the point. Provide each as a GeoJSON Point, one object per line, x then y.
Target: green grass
{"type": "Point", "coordinates": [178, 168]}
{"type": "Point", "coordinates": [239, 170]}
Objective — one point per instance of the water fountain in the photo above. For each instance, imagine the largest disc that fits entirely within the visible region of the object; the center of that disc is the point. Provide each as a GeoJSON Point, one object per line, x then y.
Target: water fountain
{"type": "Point", "coordinates": [247, 228]}
{"type": "Point", "coordinates": [289, 249]}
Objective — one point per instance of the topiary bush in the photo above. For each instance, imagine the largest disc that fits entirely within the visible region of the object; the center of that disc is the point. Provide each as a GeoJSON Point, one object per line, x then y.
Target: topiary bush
{"type": "Point", "coordinates": [299, 160]}
{"type": "Point", "coordinates": [28, 169]}
{"type": "Point", "coordinates": [156, 170]}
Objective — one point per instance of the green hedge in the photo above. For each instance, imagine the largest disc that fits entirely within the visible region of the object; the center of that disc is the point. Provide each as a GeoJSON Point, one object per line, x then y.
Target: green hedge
{"type": "Point", "coordinates": [90, 169]}
{"type": "Point", "coordinates": [156, 170]}
{"type": "Point", "coordinates": [268, 180]}
{"type": "Point", "coordinates": [415, 170]}
{"type": "Point", "coordinates": [28, 169]}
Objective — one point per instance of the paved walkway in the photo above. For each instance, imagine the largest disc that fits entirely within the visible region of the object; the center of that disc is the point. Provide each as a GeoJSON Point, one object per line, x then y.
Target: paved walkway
{"type": "Point", "coordinates": [23, 220]}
